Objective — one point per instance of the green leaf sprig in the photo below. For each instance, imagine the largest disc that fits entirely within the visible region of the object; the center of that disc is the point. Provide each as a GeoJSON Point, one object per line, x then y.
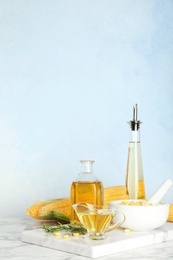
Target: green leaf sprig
{"type": "Point", "coordinates": [68, 228]}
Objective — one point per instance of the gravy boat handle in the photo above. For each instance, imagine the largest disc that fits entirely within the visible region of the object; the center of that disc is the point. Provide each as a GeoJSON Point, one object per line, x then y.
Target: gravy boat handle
{"type": "Point", "coordinates": [117, 222]}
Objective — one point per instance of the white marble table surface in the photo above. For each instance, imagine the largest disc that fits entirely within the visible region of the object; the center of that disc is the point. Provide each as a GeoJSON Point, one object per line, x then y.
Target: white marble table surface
{"type": "Point", "coordinates": [11, 246]}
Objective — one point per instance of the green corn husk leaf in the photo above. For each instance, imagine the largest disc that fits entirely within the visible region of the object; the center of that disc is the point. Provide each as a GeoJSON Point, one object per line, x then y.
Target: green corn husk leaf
{"type": "Point", "coordinates": [55, 215]}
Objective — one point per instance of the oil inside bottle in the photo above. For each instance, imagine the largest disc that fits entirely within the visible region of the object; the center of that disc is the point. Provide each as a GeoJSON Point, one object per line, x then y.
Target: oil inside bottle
{"type": "Point", "coordinates": [134, 172]}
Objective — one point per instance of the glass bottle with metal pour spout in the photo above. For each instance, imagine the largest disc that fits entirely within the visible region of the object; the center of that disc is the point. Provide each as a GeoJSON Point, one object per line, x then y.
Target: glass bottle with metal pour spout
{"type": "Point", "coordinates": [134, 171]}
{"type": "Point", "coordinates": [86, 188]}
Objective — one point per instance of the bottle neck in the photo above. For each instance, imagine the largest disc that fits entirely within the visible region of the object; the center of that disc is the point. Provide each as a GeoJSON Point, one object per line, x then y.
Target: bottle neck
{"type": "Point", "coordinates": [135, 136]}
{"type": "Point", "coordinates": [87, 166]}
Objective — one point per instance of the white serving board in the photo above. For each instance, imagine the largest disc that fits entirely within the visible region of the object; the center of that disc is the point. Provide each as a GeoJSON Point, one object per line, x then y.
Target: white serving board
{"type": "Point", "coordinates": [116, 241]}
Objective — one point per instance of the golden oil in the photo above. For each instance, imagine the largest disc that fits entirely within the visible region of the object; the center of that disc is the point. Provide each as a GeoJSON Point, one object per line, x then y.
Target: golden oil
{"type": "Point", "coordinates": [95, 222]}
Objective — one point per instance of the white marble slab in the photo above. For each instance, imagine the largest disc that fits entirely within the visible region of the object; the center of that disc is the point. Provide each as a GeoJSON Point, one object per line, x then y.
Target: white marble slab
{"type": "Point", "coordinates": [116, 241]}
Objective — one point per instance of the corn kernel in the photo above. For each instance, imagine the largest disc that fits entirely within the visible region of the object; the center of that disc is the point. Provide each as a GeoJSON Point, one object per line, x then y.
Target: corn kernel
{"type": "Point", "coordinates": [127, 230]}
{"type": "Point", "coordinates": [57, 234]}
{"type": "Point", "coordinates": [66, 236]}
{"type": "Point", "coordinates": [76, 234]}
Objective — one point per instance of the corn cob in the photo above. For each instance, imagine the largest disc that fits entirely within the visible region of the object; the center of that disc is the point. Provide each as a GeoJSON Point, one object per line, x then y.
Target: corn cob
{"type": "Point", "coordinates": [59, 208]}
{"type": "Point", "coordinates": [114, 193]}
{"type": "Point", "coordinates": [62, 206]}
{"type": "Point", "coordinates": [170, 216]}
{"type": "Point", "coordinates": [33, 211]}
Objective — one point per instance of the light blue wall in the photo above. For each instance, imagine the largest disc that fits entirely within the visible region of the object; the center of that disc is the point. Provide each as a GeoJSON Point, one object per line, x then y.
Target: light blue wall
{"type": "Point", "coordinates": [70, 73]}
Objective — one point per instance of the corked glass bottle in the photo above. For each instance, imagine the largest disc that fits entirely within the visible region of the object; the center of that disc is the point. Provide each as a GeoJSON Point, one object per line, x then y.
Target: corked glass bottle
{"type": "Point", "coordinates": [86, 188]}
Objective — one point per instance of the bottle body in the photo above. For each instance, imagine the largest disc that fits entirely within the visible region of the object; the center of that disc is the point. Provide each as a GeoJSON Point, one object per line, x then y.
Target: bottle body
{"type": "Point", "coordinates": [86, 188]}
{"type": "Point", "coordinates": [134, 172]}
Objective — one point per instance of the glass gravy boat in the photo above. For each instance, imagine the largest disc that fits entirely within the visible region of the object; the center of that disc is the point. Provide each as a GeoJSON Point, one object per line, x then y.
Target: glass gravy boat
{"type": "Point", "coordinates": [98, 219]}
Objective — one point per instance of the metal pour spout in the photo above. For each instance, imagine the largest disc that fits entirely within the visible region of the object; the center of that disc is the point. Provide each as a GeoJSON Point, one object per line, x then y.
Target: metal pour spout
{"type": "Point", "coordinates": [135, 112]}
{"type": "Point", "coordinates": [135, 123]}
